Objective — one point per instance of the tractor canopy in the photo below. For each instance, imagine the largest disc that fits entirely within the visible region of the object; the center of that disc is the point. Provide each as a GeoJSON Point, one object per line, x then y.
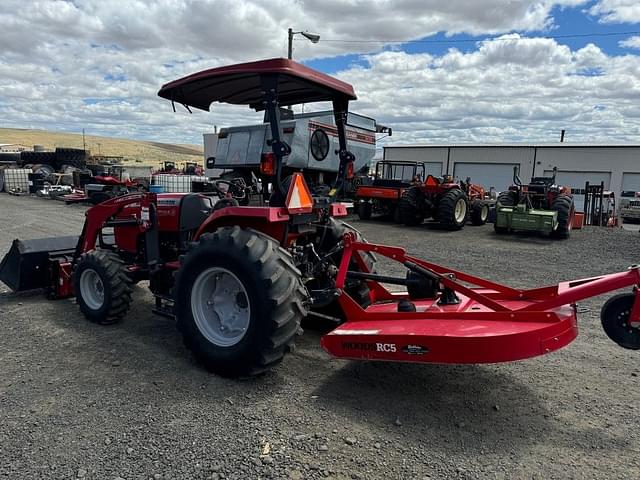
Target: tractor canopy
{"type": "Point", "coordinates": [241, 84]}
{"type": "Point", "coordinates": [266, 85]}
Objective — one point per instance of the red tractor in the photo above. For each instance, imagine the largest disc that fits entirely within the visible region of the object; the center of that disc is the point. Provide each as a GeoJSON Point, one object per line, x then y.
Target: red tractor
{"type": "Point", "coordinates": [239, 280]}
{"type": "Point", "coordinates": [450, 203]}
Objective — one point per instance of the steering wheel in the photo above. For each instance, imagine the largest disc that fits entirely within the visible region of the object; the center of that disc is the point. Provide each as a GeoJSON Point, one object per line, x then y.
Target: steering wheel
{"type": "Point", "coordinates": [235, 188]}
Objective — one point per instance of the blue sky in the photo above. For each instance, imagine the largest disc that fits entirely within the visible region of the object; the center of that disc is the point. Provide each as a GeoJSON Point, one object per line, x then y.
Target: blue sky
{"type": "Point", "coordinates": [567, 21]}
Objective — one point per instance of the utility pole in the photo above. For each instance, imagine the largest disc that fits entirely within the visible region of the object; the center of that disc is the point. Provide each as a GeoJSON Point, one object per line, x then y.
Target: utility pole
{"type": "Point", "coordinates": [84, 143]}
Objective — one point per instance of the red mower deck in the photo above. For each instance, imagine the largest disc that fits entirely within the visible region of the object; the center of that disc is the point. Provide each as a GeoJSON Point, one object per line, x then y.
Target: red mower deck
{"type": "Point", "coordinates": [489, 322]}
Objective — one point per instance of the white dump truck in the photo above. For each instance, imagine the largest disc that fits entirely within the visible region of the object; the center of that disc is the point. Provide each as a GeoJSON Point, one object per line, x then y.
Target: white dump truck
{"type": "Point", "coordinates": [238, 151]}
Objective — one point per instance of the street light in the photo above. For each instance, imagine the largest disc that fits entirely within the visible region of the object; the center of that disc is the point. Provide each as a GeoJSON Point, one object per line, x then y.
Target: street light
{"type": "Point", "coordinates": [313, 38]}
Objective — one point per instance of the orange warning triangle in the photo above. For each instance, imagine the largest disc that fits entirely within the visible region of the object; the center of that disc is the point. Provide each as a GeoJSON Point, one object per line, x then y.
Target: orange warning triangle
{"type": "Point", "coordinates": [431, 181]}
{"type": "Point", "coordinates": [299, 198]}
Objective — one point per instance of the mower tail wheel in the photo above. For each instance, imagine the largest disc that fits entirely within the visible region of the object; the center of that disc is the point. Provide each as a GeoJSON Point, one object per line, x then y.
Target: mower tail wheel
{"type": "Point", "coordinates": [479, 212]}
{"type": "Point", "coordinates": [239, 301]}
{"type": "Point", "coordinates": [453, 209]}
{"type": "Point", "coordinates": [563, 204]}
{"type": "Point", "coordinates": [102, 285]}
{"type": "Point", "coordinates": [364, 210]}
{"type": "Point", "coordinates": [615, 321]}
{"type": "Point", "coordinates": [411, 207]}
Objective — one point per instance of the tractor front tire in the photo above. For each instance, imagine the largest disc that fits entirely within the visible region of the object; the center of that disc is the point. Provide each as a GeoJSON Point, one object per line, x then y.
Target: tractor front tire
{"type": "Point", "coordinates": [411, 207]}
{"type": "Point", "coordinates": [364, 210]}
{"type": "Point", "coordinates": [563, 204]}
{"type": "Point", "coordinates": [102, 285]}
{"type": "Point", "coordinates": [479, 212]}
{"type": "Point", "coordinates": [453, 209]}
{"type": "Point", "coordinates": [239, 301]}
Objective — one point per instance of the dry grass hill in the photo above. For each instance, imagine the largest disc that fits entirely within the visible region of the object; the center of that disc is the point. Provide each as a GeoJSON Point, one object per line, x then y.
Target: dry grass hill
{"type": "Point", "coordinates": [138, 151]}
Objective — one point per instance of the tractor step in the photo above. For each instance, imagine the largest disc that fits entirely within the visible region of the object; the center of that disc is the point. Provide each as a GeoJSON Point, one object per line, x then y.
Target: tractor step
{"type": "Point", "coordinates": [164, 307]}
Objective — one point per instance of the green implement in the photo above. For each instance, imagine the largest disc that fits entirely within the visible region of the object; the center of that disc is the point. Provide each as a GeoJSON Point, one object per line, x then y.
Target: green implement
{"type": "Point", "coordinates": [541, 207]}
{"type": "Point", "coordinates": [522, 219]}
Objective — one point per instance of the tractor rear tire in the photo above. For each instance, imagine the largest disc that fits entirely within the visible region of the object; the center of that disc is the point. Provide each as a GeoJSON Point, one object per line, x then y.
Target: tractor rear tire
{"type": "Point", "coordinates": [479, 212]}
{"type": "Point", "coordinates": [102, 285]}
{"type": "Point", "coordinates": [364, 210]}
{"type": "Point", "coordinates": [453, 209]}
{"type": "Point", "coordinates": [563, 204]}
{"type": "Point", "coordinates": [507, 198]}
{"type": "Point", "coordinates": [411, 207]}
{"type": "Point", "coordinates": [239, 301]}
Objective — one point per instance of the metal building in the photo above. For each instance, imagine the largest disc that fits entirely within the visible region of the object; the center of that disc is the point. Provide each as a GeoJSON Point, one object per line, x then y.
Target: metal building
{"type": "Point", "coordinates": [492, 164]}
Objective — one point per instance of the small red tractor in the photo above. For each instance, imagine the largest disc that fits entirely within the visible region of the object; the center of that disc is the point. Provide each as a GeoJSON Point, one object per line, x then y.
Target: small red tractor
{"type": "Point", "coordinates": [390, 181]}
{"type": "Point", "coordinates": [450, 203]}
{"type": "Point", "coordinates": [239, 280]}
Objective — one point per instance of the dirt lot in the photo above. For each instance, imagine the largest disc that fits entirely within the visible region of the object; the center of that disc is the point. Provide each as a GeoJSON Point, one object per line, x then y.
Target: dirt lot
{"type": "Point", "coordinates": [79, 400]}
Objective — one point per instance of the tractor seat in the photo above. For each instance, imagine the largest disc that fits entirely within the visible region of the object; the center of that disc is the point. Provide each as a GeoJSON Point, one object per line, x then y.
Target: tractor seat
{"type": "Point", "coordinates": [537, 187]}
{"type": "Point", "coordinates": [195, 208]}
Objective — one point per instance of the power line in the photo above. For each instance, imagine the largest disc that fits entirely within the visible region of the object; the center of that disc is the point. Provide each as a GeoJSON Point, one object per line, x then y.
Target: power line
{"type": "Point", "coordinates": [495, 39]}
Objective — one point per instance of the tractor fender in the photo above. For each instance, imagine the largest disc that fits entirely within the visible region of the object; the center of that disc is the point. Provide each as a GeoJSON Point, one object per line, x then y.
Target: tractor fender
{"type": "Point", "coordinates": [271, 221]}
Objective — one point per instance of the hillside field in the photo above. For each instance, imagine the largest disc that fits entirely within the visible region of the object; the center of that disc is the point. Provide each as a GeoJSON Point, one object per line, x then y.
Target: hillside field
{"type": "Point", "coordinates": [134, 151]}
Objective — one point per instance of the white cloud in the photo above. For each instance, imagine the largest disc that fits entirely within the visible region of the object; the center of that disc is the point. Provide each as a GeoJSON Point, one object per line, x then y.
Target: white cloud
{"type": "Point", "coordinates": [504, 91]}
{"type": "Point", "coordinates": [98, 65]}
{"type": "Point", "coordinates": [617, 11]}
{"type": "Point", "coordinates": [631, 42]}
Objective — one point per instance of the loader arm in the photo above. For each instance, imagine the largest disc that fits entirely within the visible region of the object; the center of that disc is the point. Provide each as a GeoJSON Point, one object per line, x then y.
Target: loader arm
{"type": "Point", "coordinates": [104, 215]}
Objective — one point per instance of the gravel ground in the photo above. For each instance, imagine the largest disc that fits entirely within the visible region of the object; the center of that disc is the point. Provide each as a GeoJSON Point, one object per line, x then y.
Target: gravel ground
{"type": "Point", "coordinates": [79, 400]}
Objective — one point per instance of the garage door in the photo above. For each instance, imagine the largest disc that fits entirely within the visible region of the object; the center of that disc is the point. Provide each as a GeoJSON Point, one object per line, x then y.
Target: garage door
{"type": "Point", "coordinates": [496, 175]}
{"type": "Point", "coordinates": [432, 168]}
{"type": "Point", "coordinates": [577, 180]}
{"type": "Point", "coordinates": [631, 182]}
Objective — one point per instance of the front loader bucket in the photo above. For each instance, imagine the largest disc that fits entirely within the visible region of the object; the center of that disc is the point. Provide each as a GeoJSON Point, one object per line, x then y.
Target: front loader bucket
{"type": "Point", "coordinates": [26, 265]}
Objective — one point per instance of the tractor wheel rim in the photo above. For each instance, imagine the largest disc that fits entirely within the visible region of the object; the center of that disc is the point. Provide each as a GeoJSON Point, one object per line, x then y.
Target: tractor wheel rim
{"type": "Point", "coordinates": [92, 289]}
{"type": "Point", "coordinates": [220, 306]}
{"type": "Point", "coordinates": [484, 214]}
{"type": "Point", "coordinates": [460, 212]}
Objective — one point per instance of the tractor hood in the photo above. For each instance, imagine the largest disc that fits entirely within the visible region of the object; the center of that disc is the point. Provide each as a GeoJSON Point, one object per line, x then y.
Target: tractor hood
{"type": "Point", "coordinates": [241, 85]}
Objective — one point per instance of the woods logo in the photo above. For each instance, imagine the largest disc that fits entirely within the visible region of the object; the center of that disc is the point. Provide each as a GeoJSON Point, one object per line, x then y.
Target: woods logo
{"type": "Point", "coordinates": [370, 347]}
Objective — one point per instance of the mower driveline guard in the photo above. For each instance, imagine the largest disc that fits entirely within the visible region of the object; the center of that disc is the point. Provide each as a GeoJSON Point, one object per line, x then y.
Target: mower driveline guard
{"type": "Point", "coordinates": [485, 323]}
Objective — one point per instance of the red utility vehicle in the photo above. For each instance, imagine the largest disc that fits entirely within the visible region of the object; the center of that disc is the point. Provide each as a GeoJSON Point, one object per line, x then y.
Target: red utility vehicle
{"type": "Point", "coordinates": [390, 181]}
{"type": "Point", "coordinates": [239, 280]}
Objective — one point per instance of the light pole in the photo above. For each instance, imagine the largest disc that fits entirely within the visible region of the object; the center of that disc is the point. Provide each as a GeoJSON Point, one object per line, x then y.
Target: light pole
{"type": "Point", "coordinates": [313, 38]}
